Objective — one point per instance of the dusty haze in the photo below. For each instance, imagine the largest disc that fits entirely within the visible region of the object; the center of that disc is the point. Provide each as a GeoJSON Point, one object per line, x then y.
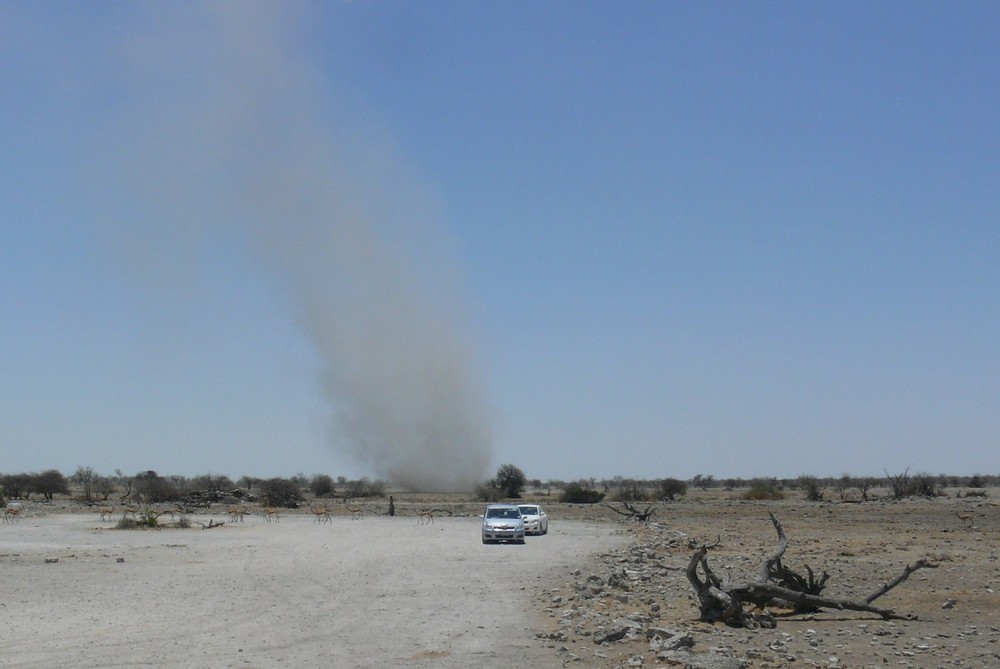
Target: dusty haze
{"type": "Point", "coordinates": [219, 139]}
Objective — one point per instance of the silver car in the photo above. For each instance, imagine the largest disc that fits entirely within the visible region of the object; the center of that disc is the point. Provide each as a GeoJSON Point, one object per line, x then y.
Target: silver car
{"type": "Point", "coordinates": [503, 522]}
{"type": "Point", "coordinates": [536, 521]}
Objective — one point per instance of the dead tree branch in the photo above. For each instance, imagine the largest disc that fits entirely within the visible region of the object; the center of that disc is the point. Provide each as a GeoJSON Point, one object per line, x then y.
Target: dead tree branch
{"type": "Point", "coordinates": [632, 512]}
{"type": "Point", "coordinates": [777, 583]}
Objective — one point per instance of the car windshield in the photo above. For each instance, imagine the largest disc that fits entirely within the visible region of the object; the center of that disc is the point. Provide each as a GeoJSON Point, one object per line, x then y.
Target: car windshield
{"type": "Point", "coordinates": [529, 510]}
{"type": "Point", "coordinates": [503, 513]}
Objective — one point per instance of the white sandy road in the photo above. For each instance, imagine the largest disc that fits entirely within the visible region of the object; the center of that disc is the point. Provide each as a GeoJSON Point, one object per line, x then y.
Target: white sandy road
{"type": "Point", "coordinates": [379, 592]}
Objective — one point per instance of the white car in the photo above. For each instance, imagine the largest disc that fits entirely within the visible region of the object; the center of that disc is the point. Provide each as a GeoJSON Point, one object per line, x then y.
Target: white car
{"type": "Point", "coordinates": [536, 521]}
{"type": "Point", "coordinates": [503, 522]}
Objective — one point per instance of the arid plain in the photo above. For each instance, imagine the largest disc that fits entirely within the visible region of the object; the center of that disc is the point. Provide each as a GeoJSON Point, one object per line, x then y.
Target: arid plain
{"type": "Point", "coordinates": [598, 591]}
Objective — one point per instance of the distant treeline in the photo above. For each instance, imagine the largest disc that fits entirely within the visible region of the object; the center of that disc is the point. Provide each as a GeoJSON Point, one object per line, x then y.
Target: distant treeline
{"type": "Point", "coordinates": [152, 488]}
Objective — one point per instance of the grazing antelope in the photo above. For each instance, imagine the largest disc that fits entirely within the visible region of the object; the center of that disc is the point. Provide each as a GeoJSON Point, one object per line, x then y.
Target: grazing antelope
{"type": "Point", "coordinates": [236, 513]}
{"type": "Point", "coordinates": [107, 513]}
{"type": "Point", "coordinates": [322, 514]}
{"type": "Point", "coordinates": [11, 514]}
{"type": "Point", "coordinates": [425, 517]}
{"type": "Point", "coordinates": [132, 510]}
{"type": "Point", "coordinates": [174, 512]}
{"type": "Point", "coordinates": [357, 512]}
{"type": "Point", "coordinates": [271, 514]}
{"type": "Point", "coordinates": [967, 518]}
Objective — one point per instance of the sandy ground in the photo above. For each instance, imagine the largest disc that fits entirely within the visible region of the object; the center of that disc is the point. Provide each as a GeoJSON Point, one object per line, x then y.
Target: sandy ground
{"type": "Point", "coordinates": [377, 592]}
{"type": "Point", "coordinates": [388, 592]}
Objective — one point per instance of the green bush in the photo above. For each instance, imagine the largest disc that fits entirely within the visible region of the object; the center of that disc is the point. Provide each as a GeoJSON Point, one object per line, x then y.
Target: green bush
{"type": "Point", "coordinates": [577, 494]}
{"type": "Point", "coordinates": [671, 488]}
{"type": "Point", "coordinates": [281, 492]}
{"type": "Point", "coordinates": [763, 489]}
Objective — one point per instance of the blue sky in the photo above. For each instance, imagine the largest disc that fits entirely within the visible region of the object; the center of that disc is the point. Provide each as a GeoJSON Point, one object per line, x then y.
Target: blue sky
{"type": "Point", "coordinates": [590, 239]}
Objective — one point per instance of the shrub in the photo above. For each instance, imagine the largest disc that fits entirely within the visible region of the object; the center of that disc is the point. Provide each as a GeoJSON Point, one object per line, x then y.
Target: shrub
{"type": "Point", "coordinates": [921, 485]}
{"type": "Point", "coordinates": [364, 487]}
{"type": "Point", "coordinates": [487, 491]}
{"type": "Point", "coordinates": [899, 483]}
{"type": "Point", "coordinates": [280, 492]}
{"type": "Point", "coordinates": [577, 494]}
{"type": "Point", "coordinates": [154, 488]}
{"type": "Point", "coordinates": [321, 485]}
{"type": "Point", "coordinates": [671, 488]}
{"type": "Point", "coordinates": [763, 489]}
{"type": "Point", "coordinates": [629, 490]}
{"type": "Point", "coordinates": [810, 484]}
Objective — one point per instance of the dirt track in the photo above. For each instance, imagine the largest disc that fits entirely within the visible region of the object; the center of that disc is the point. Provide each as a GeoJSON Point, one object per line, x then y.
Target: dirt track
{"type": "Point", "coordinates": [378, 592]}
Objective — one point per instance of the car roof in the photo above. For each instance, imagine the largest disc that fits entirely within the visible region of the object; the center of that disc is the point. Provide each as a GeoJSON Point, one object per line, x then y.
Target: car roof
{"type": "Point", "coordinates": [501, 506]}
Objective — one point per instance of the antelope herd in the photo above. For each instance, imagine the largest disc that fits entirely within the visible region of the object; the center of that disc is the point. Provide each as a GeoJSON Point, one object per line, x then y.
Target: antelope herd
{"type": "Point", "coordinates": [236, 513]}
{"type": "Point", "coordinates": [321, 514]}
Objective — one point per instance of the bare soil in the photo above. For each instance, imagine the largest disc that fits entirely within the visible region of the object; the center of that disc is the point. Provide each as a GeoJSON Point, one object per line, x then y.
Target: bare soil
{"type": "Point", "coordinates": [642, 586]}
{"type": "Point", "coordinates": [390, 592]}
{"type": "Point", "coordinates": [373, 592]}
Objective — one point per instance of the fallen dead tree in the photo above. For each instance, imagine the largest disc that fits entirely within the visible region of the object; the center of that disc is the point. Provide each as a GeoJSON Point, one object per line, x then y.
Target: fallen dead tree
{"type": "Point", "coordinates": [633, 513]}
{"type": "Point", "coordinates": [777, 584]}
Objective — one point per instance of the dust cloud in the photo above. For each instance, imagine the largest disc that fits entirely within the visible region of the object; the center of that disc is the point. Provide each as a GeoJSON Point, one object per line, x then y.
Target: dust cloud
{"type": "Point", "coordinates": [223, 131]}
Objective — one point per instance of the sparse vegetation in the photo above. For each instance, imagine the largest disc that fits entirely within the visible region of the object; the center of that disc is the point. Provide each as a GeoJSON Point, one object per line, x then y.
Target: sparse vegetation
{"type": "Point", "coordinates": [281, 492]}
{"type": "Point", "coordinates": [321, 485]}
{"type": "Point", "coordinates": [810, 485]}
{"type": "Point", "coordinates": [628, 490]}
{"type": "Point", "coordinates": [899, 483]}
{"type": "Point", "coordinates": [575, 493]}
{"type": "Point", "coordinates": [364, 487]}
{"type": "Point", "coordinates": [764, 489]}
{"type": "Point", "coordinates": [487, 491]}
{"type": "Point", "coordinates": [671, 488]}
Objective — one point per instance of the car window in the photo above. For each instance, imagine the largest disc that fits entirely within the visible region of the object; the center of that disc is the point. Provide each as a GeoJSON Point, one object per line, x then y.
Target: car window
{"type": "Point", "coordinates": [529, 510]}
{"type": "Point", "coordinates": [502, 513]}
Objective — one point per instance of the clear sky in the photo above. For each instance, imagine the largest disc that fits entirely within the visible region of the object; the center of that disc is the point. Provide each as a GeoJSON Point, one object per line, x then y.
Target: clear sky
{"type": "Point", "coordinates": [419, 240]}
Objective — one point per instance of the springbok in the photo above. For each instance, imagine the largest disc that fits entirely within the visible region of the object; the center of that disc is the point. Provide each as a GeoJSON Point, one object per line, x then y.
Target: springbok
{"type": "Point", "coordinates": [11, 513]}
{"type": "Point", "coordinates": [967, 518]}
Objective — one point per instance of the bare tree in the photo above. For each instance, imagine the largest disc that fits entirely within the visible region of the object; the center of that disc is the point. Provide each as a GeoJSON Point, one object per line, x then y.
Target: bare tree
{"type": "Point", "coordinates": [899, 483]}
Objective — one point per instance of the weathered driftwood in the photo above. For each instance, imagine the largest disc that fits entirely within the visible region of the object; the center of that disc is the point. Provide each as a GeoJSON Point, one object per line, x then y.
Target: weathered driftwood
{"type": "Point", "coordinates": [775, 582]}
{"type": "Point", "coordinates": [632, 512]}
